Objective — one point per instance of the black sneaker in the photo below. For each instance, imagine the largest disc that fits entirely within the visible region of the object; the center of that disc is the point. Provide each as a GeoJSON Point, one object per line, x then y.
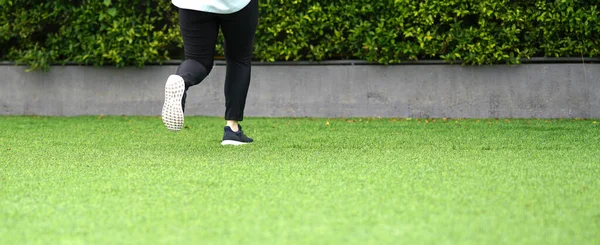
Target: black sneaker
{"type": "Point", "coordinates": [235, 138]}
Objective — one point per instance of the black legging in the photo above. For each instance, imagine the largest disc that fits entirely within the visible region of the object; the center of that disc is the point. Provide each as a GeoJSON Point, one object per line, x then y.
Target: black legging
{"type": "Point", "coordinates": [200, 31]}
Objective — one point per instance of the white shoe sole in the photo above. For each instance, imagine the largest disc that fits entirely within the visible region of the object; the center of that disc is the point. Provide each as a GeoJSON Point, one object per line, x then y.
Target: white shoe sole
{"type": "Point", "coordinates": [232, 142]}
{"type": "Point", "coordinates": [172, 112]}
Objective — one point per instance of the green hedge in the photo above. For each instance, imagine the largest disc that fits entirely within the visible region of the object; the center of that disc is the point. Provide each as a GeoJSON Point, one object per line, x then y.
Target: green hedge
{"type": "Point", "coordinates": [137, 32]}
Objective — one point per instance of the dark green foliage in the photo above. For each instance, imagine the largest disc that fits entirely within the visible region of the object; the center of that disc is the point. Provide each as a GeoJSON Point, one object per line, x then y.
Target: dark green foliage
{"type": "Point", "coordinates": [138, 32]}
{"type": "Point", "coordinates": [113, 32]}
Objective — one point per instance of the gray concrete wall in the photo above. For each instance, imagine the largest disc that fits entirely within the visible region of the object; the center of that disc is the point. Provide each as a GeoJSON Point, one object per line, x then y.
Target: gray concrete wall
{"type": "Point", "coordinates": [454, 91]}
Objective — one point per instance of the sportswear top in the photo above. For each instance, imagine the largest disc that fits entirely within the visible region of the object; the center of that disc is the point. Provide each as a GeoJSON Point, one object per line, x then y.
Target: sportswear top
{"type": "Point", "coordinates": [212, 6]}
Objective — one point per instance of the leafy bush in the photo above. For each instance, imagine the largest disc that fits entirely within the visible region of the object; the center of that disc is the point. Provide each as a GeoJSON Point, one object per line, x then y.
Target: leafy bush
{"type": "Point", "coordinates": [137, 32]}
{"type": "Point", "coordinates": [117, 32]}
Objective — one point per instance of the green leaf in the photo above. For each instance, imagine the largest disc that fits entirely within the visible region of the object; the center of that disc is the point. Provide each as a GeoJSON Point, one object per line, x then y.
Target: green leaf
{"type": "Point", "coordinates": [112, 12]}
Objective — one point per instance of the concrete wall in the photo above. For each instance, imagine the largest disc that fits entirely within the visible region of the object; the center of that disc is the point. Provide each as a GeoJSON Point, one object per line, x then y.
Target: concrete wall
{"type": "Point", "coordinates": [523, 91]}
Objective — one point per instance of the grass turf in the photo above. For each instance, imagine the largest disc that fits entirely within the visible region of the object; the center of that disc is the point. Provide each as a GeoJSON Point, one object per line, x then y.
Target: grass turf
{"type": "Point", "coordinates": [114, 180]}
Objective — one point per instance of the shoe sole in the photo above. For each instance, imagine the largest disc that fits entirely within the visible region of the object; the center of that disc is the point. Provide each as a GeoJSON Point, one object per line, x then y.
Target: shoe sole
{"type": "Point", "coordinates": [233, 142]}
{"type": "Point", "coordinates": [172, 112]}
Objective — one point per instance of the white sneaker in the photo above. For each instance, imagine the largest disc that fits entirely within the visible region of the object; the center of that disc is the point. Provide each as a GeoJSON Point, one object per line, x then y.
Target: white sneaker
{"type": "Point", "coordinates": [172, 111]}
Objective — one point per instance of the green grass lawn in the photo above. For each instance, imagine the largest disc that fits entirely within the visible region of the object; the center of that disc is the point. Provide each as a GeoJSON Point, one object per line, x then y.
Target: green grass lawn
{"type": "Point", "coordinates": [127, 180]}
